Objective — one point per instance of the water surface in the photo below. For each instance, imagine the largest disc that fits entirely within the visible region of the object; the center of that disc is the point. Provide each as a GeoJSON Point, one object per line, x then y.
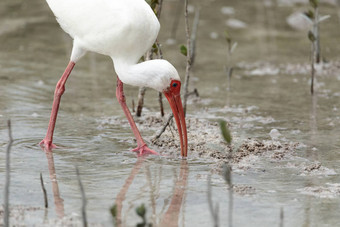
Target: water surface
{"type": "Point", "coordinates": [34, 52]}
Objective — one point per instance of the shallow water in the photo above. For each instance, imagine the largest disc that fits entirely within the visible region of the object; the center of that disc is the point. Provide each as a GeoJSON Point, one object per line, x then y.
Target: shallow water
{"type": "Point", "coordinates": [35, 51]}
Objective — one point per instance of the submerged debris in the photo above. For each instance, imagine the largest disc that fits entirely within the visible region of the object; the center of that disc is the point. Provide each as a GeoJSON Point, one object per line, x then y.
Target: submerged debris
{"type": "Point", "coordinates": [244, 190]}
{"type": "Point", "coordinates": [327, 191]}
{"type": "Point", "coordinates": [316, 169]}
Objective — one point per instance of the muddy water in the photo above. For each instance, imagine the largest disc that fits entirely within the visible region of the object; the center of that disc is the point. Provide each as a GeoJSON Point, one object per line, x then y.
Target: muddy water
{"type": "Point", "coordinates": [33, 53]}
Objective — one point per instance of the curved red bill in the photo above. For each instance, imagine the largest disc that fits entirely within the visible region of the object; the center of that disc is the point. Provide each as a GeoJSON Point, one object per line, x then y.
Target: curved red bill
{"type": "Point", "coordinates": [174, 98]}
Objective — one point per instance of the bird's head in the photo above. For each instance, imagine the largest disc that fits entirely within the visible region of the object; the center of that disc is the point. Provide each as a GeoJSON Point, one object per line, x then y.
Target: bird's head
{"type": "Point", "coordinates": [169, 83]}
{"type": "Point", "coordinates": [163, 77]}
{"type": "Point", "coordinates": [173, 95]}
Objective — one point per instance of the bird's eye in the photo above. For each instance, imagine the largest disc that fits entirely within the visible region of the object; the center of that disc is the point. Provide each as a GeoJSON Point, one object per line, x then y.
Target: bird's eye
{"type": "Point", "coordinates": [174, 84]}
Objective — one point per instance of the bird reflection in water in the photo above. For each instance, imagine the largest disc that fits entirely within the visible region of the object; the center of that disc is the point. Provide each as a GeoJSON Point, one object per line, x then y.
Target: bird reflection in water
{"type": "Point", "coordinates": [170, 217]}
{"type": "Point", "coordinates": [58, 201]}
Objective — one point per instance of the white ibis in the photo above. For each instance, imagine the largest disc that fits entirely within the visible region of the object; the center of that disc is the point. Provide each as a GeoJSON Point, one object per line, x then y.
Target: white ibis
{"type": "Point", "coordinates": [123, 30]}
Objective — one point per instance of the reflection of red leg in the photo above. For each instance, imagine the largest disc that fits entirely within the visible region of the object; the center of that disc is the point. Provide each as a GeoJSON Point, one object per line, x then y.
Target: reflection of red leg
{"type": "Point", "coordinates": [59, 90]}
{"type": "Point", "coordinates": [121, 195]}
{"type": "Point", "coordinates": [142, 147]}
{"type": "Point", "coordinates": [171, 217]}
{"type": "Point", "coordinates": [58, 201]}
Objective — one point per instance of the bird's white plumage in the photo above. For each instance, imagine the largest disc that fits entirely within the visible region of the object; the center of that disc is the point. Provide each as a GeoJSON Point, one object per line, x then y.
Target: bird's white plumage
{"type": "Point", "coordinates": [121, 29]}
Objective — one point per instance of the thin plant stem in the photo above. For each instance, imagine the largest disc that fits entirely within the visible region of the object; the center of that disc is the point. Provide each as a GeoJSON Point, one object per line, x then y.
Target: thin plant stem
{"type": "Point", "coordinates": [140, 105]}
{"type": "Point", "coordinates": [7, 182]}
{"type": "Point", "coordinates": [188, 67]}
{"type": "Point", "coordinates": [317, 36]}
{"type": "Point", "coordinates": [44, 190]}
{"type": "Point", "coordinates": [312, 68]}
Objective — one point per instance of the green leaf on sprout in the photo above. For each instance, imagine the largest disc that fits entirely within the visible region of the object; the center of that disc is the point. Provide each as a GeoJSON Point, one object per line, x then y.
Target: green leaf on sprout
{"type": "Point", "coordinates": [141, 211]}
{"type": "Point", "coordinates": [233, 47]}
{"type": "Point", "coordinates": [154, 48]}
{"type": "Point", "coordinates": [311, 36]}
{"type": "Point", "coordinates": [314, 3]}
{"type": "Point", "coordinates": [152, 3]}
{"type": "Point", "coordinates": [309, 14]}
{"type": "Point", "coordinates": [113, 210]}
{"type": "Point", "coordinates": [184, 50]}
{"type": "Point", "coordinates": [225, 131]}
{"type": "Point", "coordinates": [323, 18]}
{"type": "Point", "coordinates": [227, 37]}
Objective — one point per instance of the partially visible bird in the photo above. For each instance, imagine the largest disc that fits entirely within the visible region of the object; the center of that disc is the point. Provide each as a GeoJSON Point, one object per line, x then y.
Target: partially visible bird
{"type": "Point", "coordinates": [123, 30]}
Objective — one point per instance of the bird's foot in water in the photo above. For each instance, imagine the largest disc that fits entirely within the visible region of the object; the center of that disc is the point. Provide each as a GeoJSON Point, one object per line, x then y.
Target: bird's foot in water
{"type": "Point", "coordinates": [143, 150]}
{"type": "Point", "coordinates": [48, 145]}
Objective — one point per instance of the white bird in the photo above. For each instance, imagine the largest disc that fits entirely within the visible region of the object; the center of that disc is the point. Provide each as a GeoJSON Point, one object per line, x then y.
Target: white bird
{"type": "Point", "coordinates": [123, 30]}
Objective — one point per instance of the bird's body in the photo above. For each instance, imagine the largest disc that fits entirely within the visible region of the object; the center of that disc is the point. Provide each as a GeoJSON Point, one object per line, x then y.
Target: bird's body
{"type": "Point", "coordinates": [101, 25]}
{"type": "Point", "coordinates": [123, 30]}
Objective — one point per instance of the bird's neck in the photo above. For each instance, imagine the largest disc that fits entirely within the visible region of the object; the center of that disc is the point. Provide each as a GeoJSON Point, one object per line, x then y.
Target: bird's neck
{"type": "Point", "coordinates": [142, 74]}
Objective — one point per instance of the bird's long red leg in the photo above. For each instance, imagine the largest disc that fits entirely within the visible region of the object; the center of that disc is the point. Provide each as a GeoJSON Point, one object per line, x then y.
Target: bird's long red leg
{"type": "Point", "coordinates": [59, 91]}
{"type": "Point", "coordinates": [142, 147]}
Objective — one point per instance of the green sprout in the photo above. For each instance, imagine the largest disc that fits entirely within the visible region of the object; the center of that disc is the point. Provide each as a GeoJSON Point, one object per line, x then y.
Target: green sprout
{"type": "Point", "coordinates": [184, 50]}
{"type": "Point", "coordinates": [225, 131]}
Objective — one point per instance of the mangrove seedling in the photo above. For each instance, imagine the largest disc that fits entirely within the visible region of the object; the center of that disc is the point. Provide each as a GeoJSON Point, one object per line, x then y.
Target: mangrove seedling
{"type": "Point", "coordinates": [314, 18]}
{"type": "Point", "coordinates": [231, 48]}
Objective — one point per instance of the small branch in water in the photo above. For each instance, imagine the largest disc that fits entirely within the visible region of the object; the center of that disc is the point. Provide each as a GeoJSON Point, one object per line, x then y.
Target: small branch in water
{"type": "Point", "coordinates": [7, 182]}
{"type": "Point", "coordinates": [167, 123]}
{"type": "Point", "coordinates": [140, 101]}
{"type": "Point", "coordinates": [194, 92]}
{"type": "Point", "coordinates": [44, 191]}
{"type": "Point", "coordinates": [84, 202]}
